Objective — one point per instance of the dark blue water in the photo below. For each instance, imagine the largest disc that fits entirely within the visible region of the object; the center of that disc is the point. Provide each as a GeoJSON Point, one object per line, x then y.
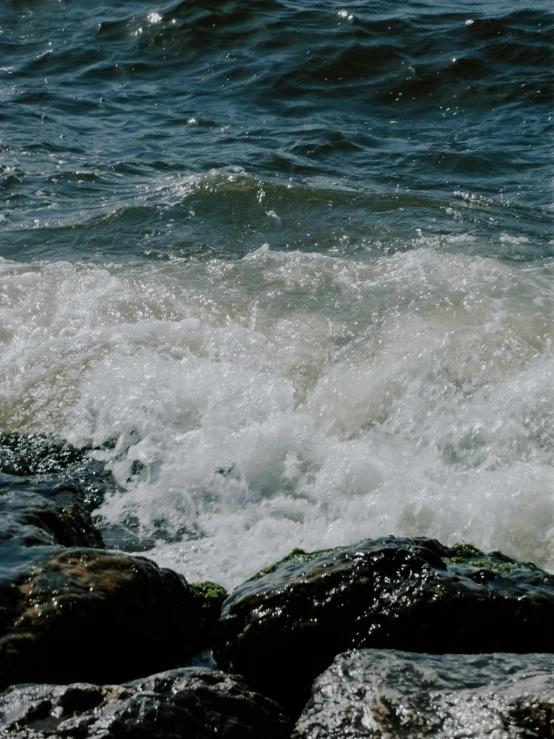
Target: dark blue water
{"type": "Point", "coordinates": [290, 264]}
{"type": "Point", "coordinates": [358, 123]}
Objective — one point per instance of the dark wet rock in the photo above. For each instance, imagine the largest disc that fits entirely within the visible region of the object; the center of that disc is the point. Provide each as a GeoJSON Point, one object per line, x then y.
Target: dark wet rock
{"type": "Point", "coordinates": [187, 702]}
{"type": "Point", "coordinates": [383, 694]}
{"type": "Point", "coordinates": [40, 513]}
{"type": "Point", "coordinates": [296, 556]}
{"type": "Point", "coordinates": [50, 459]}
{"type": "Point", "coordinates": [281, 630]}
{"type": "Point", "coordinates": [207, 598]}
{"type": "Point", "coordinates": [35, 454]}
{"type": "Point", "coordinates": [86, 614]}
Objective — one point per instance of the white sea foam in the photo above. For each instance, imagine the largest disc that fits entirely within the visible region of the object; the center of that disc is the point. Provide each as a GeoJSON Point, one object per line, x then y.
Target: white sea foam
{"type": "Point", "coordinates": [293, 399]}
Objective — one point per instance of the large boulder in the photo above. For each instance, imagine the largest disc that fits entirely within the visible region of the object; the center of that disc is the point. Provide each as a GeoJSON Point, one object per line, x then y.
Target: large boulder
{"type": "Point", "coordinates": [42, 513]}
{"type": "Point", "coordinates": [381, 694]}
{"type": "Point", "coordinates": [188, 702]}
{"type": "Point", "coordinates": [285, 627]}
{"type": "Point", "coordinates": [86, 614]}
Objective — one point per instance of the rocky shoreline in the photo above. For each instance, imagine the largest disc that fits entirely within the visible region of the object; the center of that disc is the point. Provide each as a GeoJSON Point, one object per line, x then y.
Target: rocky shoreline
{"type": "Point", "coordinates": [392, 637]}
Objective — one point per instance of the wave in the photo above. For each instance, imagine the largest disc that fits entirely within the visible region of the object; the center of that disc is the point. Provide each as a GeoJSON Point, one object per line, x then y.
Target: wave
{"type": "Point", "coordinates": [296, 399]}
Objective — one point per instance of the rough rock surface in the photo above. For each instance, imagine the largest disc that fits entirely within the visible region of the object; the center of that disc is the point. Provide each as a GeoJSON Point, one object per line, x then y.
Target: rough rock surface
{"type": "Point", "coordinates": [190, 702]}
{"type": "Point", "coordinates": [382, 694]}
{"type": "Point", "coordinates": [36, 454]}
{"type": "Point", "coordinates": [47, 458]}
{"type": "Point", "coordinates": [283, 629]}
{"type": "Point", "coordinates": [41, 513]}
{"type": "Point", "coordinates": [86, 614]}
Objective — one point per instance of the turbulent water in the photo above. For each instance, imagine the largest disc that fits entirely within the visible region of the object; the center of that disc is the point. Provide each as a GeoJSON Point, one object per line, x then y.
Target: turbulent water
{"type": "Point", "coordinates": [288, 266]}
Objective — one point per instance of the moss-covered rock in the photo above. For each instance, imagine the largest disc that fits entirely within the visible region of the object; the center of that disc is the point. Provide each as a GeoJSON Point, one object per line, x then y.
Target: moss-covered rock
{"type": "Point", "coordinates": [460, 553]}
{"type": "Point", "coordinates": [207, 599]}
{"type": "Point", "coordinates": [285, 627]}
{"type": "Point", "coordinates": [298, 556]}
{"type": "Point", "coordinates": [468, 554]}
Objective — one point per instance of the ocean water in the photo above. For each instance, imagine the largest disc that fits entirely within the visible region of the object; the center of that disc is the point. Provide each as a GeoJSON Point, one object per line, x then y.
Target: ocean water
{"type": "Point", "coordinates": [288, 267]}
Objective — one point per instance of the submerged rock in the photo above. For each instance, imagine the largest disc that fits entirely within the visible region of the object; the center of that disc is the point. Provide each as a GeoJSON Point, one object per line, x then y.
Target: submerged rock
{"type": "Point", "coordinates": [283, 629]}
{"type": "Point", "coordinates": [40, 513]}
{"type": "Point", "coordinates": [383, 694]}
{"type": "Point", "coordinates": [188, 702]}
{"type": "Point", "coordinates": [85, 614]}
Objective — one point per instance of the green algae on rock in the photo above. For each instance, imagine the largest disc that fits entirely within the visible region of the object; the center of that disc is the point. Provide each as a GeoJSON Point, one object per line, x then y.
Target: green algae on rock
{"type": "Point", "coordinates": [284, 628]}
{"type": "Point", "coordinates": [468, 554]}
{"type": "Point", "coordinates": [297, 555]}
{"type": "Point", "coordinates": [460, 553]}
{"type": "Point", "coordinates": [207, 598]}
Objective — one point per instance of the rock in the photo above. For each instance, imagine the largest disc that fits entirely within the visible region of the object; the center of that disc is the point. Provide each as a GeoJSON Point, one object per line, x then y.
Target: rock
{"type": "Point", "coordinates": [40, 513]}
{"type": "Point", "coordinates": [188, 702]}
{"type": "Point", "coordinates": [86, 614]}
{"type": "Point", "coordinates": [35, 454]}
{"type": "Point", "coordinates": [50, 459]}
{"type": "Point", "coordinates": [384, 694]}
{"type": "Point", "coordinates": [283, 629]}
{"type": "Point", "coordinates": [80, 614]}
{"type": "Point", "coordinates": [207, 598]}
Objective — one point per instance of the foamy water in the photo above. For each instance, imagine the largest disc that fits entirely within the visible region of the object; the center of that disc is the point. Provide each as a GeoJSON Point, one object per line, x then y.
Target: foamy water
{"type": "Point", "coordinates": [296, 399]}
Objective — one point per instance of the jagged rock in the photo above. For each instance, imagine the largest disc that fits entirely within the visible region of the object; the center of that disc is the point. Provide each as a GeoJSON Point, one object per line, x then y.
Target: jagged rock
{"type": "Point", "coordinates": [86, 614]}
{"type": "Point", "coordinates": [283, 629]}
{"type": "Point", "coordinates": [381, 694]}
{"type": "Point", "coordinates": [188, 702]}
{"type": "Point", "coordinates": [39, 513]}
